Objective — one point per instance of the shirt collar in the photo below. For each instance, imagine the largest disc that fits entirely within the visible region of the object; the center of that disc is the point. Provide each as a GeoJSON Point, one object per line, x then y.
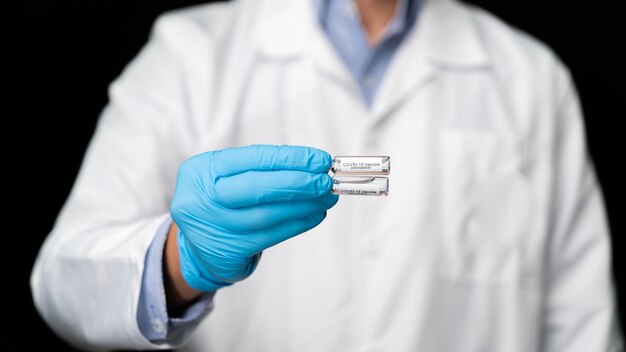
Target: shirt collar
{"type": "Point", "coordinates": [404, 17]}
{"type": "Point", "coordinates": [401, 20]}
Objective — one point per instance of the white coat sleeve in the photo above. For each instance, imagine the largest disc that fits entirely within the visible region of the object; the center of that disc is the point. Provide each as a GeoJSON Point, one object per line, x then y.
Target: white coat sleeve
{"type": "Point", "coordinates": [580, 312]}
{"type": "Point", "coordinates": [87, 277]}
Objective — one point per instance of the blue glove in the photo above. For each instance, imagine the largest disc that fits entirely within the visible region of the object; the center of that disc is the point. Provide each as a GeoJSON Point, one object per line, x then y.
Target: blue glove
{"type": "Point", "coordinates": [232, 204]}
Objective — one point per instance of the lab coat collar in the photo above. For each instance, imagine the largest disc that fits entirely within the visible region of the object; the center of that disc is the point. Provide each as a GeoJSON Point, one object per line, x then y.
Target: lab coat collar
{"type": "Point", "coordinates": [445, 33]}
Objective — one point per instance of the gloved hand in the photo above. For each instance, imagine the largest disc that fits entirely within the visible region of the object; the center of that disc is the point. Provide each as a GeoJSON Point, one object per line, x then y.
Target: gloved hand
{"type": "Point", "coordinates": [232, 204]}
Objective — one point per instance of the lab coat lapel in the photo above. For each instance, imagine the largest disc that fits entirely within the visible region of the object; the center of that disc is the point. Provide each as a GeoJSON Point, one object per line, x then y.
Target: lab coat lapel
{"type": "Point", "coordinates": [282, 28]}
{"type": "Point", "coordinates": [289, 32]}
{"type": "Point", "coordinates": [292, 28]}
{"type": "Point", "coordinates": [289, 29]}
{"type": "Point", "coordinates": [443, 37]}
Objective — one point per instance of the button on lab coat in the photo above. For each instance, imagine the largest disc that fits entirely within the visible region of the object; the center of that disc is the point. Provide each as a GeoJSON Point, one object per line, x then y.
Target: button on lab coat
{"type": "Point", "coordinates": [494, 235]}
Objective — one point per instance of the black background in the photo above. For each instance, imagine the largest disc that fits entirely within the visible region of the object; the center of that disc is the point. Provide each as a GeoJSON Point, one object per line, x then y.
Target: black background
{"type": "Point", "coordinates": [69, 51]}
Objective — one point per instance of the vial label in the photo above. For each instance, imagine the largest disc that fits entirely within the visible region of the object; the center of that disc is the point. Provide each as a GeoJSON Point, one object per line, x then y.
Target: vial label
{"type": "Point", "coordinates": [360, 185]}
{"type": "Point", "coordinates": [369, 165]}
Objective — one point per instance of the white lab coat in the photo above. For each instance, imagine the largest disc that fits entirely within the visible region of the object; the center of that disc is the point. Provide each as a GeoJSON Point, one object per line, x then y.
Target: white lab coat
{"type": "Point", "coordinates": [494, 236]}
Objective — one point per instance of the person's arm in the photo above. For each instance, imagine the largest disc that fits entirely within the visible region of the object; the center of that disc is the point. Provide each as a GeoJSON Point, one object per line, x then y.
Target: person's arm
{"type": "Point", "coordinates": [171, 322]}
{"type": "Point", "coordinates": [178, 293]}
{"type": "Point", "coordinates": [580, 312]}
{"type": "Point", "coordinates": [86, 281]}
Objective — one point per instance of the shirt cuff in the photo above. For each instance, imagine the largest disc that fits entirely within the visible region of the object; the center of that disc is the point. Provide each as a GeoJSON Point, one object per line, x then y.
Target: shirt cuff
{"type": "Point", "coordinates": [154, 322]}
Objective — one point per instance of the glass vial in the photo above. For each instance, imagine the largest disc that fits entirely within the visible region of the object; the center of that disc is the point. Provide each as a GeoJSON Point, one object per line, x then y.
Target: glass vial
{"type": "Point", "coordinates": [368, 165]}
{"type": "Point", "coordinates": [360, 185]}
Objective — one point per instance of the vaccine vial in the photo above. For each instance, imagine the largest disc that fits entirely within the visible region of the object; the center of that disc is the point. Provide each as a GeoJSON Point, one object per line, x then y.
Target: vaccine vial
{"type": "Point", "coordinates": [360, 185]}
{"type": "Point", "coordinates": [361, 165]}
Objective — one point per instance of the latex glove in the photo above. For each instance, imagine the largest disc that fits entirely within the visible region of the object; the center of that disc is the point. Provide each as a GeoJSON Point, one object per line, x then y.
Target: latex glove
{"type": "Point", "coordinates": [232, 204]}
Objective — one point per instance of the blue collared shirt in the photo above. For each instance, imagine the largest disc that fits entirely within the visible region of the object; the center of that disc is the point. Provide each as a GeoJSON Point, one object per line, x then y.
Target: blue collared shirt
{"type": "Point", "coordinates": [367, 64]}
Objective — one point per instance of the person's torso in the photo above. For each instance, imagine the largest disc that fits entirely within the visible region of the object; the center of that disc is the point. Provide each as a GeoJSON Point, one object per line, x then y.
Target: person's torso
{"type": "Point", "coordinates": [451, 260]}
